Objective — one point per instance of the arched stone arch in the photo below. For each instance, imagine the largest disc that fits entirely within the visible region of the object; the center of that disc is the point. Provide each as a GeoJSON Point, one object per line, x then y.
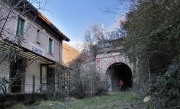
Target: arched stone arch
{"type": "Point", "coordinates": [105, 60]}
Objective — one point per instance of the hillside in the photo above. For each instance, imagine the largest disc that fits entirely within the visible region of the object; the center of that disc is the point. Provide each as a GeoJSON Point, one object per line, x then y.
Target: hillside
{"type": "Point", "coordinates": [69, 54]}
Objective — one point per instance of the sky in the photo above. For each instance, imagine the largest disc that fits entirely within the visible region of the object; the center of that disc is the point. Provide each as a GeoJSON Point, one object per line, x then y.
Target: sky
{"type": "Point", "coordinates": [73, 17]}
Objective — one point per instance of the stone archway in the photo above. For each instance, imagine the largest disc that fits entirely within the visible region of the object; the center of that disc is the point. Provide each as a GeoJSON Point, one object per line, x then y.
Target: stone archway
{"type": "Point", "coordinates": [116, 72]}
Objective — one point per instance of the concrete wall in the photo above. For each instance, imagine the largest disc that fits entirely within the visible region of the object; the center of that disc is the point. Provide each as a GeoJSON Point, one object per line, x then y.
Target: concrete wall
{"type": "Point", "coordinates": [9, 23]}
{"type": "Point", "coordinates": [41, 42]}
{"type": "Point", "coordinates": [32, 69]}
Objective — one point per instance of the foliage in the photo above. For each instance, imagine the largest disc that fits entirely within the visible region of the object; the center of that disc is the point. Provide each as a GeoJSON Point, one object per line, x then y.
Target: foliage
{"type": "Point", "coordinates": [152, 35]}
{"type": "Point", "coordinates": [152, 28]}
{"type": "Point", "coordinates": [85, 81]}
{"type": "Point", "coordinates": [166, 89]}
{"type": "Point", "coordinates": [94, 34]}
{"type": "Point", "coordinates": [152, 41]}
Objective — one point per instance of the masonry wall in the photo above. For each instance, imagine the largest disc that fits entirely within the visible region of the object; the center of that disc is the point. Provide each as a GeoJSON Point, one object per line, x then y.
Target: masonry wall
{"type": "Point", "coordinates": [104, 60]}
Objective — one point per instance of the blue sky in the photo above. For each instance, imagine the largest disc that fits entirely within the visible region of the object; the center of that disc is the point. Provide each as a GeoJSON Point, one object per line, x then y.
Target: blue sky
{"type": "Point", "coordinates": [73, 17]}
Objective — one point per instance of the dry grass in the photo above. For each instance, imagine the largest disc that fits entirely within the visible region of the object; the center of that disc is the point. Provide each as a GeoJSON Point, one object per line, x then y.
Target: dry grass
{"type": "Point", "coordinates": [121, 100]}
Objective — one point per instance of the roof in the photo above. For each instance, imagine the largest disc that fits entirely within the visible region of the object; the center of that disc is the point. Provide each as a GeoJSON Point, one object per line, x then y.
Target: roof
{"type": "Point", "coordinates": [47, 22]}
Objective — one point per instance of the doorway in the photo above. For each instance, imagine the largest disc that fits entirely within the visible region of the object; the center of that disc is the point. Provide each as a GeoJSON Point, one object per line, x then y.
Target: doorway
{"type": "Point", "coordinates": [17, 74]}
{"type": "Point", "coordinates": [51, 79]}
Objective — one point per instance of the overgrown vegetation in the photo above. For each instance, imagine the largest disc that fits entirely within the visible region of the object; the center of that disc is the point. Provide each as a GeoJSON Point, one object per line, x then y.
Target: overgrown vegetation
{"type": "Point", "coordinates": [166, 90]}
{"type": "Point", "coordinates": [112, 101]}
{"type": "Point", "coordinates": [153, 40]}
{"type": "Point", "coordinates": [85, 81]}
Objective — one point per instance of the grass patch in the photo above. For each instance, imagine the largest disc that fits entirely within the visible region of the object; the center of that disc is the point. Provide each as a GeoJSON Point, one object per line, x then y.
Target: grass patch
{"type": "Point", "coordinates": [119, 100]}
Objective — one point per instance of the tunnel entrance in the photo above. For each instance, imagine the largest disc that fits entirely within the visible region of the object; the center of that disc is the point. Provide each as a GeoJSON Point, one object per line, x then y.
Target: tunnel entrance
{"type": "Point", "coordinates": [116, 72]}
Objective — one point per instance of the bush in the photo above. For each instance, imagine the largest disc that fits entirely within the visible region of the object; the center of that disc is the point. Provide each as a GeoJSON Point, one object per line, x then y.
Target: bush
{"type": "Point", "coordinates": [101, 88]}
{"type": "Point", "coordinates": [87, 86]}
{"type": "Point", "coordinates": [80, 90]}
{"type": "Point", "coordinates": [166, 90]}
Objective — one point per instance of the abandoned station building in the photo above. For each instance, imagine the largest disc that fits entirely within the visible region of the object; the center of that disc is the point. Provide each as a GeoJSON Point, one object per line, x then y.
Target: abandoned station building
{"type": "Point", "coordinates": [30, 48]}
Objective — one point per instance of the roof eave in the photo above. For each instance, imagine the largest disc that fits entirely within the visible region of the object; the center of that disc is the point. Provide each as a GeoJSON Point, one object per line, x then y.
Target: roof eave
{"type": "Point", "coordinates": [51, 25]}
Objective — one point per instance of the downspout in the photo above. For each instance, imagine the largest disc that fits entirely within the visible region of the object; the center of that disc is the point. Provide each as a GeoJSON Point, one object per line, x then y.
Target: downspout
{"type": "Point", "coordinates": [60, 61]}
{"type": "Point", "coordinates": [60, 52]}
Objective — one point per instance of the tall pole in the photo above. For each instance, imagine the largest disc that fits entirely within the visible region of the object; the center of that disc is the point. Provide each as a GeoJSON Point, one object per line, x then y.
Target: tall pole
{"type": "Point", "coordinates": [103, 31]}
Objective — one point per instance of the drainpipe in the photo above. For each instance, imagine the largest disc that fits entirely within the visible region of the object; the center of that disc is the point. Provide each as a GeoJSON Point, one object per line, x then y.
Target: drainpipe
{"type": "Point", "coordinates": [60, 52]}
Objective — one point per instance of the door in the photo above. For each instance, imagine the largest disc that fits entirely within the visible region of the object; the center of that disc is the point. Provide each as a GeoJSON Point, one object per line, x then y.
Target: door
{"type": "Point", "coordinates": [51, 79]}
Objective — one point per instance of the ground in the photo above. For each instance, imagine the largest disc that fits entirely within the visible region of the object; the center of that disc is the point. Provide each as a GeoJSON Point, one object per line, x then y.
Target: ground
{"type": "Point", "coordinates": [120, 100]}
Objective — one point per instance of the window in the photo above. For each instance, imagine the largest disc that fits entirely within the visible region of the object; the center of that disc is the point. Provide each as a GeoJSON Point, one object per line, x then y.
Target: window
{"type": "Point", "coordinates": [20, 27]}
{"type": "Point", "coordinates": [50, 46]}
{"type": "Point", "coordinates": [38, 37]}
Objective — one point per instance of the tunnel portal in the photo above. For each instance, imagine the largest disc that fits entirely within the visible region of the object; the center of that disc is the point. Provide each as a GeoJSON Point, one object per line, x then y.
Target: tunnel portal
{"type": "Point", "coordinates": [116, 72]}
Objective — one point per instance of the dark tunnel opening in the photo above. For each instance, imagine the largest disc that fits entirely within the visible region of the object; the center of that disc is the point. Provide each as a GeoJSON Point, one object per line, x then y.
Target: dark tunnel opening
{"type": "Point", "coordinates": [117, 72]}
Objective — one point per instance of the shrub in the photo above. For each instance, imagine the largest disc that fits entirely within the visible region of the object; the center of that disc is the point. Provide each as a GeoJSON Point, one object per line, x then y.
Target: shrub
{"type": "Point", "coordinates": [166, 90]}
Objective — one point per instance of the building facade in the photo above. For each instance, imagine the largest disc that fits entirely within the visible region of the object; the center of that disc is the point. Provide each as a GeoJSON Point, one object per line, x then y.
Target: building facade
{"type": "Point", "coordinates": [30, 48]}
